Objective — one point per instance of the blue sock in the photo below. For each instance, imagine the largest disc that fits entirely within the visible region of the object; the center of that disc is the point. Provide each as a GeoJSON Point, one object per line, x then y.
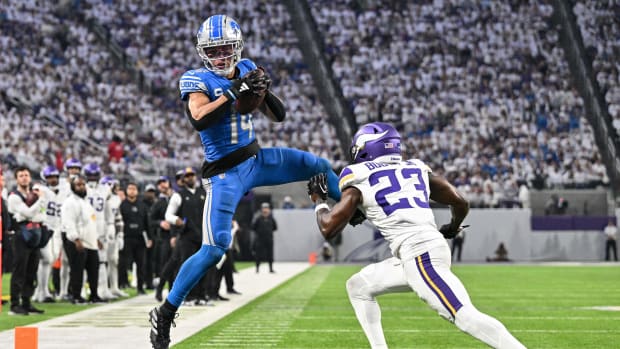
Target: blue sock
{"type": "Point", "coordinates": [192, 270]}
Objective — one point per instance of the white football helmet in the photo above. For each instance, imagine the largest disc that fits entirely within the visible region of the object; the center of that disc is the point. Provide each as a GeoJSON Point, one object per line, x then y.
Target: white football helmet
{"type": "Point", "coordinates": [219, 43]}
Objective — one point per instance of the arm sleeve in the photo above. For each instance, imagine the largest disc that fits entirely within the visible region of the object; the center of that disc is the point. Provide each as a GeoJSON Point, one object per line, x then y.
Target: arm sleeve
{"type": "Point", "coordinates": [68, 218]}
{"type": "Point", "coordinates": [18, 206]}
{"type": "Point", "coordinates": [208, 120]}
{"type": "Point", "coordinates": [275, 106]}
{"type": "Point", "coordinates": [173, 207]}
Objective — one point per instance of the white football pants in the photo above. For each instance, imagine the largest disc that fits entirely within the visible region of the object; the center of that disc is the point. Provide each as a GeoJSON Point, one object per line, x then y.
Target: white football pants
{"type": "Point", "coordinates": [430, 277]}
{"type": "Point", "coordinates": [48, 254]}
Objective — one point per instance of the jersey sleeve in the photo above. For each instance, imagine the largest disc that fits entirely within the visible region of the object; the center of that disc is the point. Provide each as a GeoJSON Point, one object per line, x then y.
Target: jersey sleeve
{"type": "Point", "coordinates": [349, 178]}
{"type": "Point", "coordinates": [191, 82]}
{"type": "Point", "coordinates": [245, 66]}
{"type": "Point", "coordinates": [421, 165]}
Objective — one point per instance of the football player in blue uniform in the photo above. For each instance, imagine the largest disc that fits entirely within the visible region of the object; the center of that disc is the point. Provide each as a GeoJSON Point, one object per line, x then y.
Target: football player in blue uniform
{"type": "Point", "coordinates": [234, 163]}
{"type": "Point", "coordinates": [394, 194]}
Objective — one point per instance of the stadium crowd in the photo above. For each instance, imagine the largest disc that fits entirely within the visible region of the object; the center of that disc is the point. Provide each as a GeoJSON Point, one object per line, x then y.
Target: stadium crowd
{"type": "Point", "coordinates": [480, 89]}
{"type": "Point", "coordinates": [81, 95]}
{"type": "Point", "coordinates": [599, 22]}
{"type": "Point", "coordinates": [161, 38]}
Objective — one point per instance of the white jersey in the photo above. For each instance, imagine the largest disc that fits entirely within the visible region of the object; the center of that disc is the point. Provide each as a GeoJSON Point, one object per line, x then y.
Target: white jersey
{"type": "Point", "coordinates": [395, 198]}
{"type": "Point", "coordinates": [54, 204]}
{"type": "Point", "coordinates": [97, 196]}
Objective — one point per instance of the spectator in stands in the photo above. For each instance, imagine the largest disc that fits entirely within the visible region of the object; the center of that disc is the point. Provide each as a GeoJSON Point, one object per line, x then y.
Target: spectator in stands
{"type": "Point", "coordinates": [264, 225]}
{"type": "Point", "coordinates": [115, 153]}
{"type": "Point", "coordinates": [611, 234]}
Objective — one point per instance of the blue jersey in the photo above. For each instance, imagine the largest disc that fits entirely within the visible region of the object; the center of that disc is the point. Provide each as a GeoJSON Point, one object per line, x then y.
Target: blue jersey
{"type": "Point", "coordinates": [234, 130]}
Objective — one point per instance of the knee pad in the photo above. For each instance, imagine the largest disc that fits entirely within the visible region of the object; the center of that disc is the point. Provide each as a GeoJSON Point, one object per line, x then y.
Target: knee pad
{"type": "Point", "coordinates": [357, 288]}
{"type": "Point", "coordinates": [211, 254]}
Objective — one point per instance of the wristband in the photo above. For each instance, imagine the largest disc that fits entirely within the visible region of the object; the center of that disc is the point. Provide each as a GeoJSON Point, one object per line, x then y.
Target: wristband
{"type": "Point", "coordinates": [231, 96]}
{"type": "Point", "coordinates": [321, 206]}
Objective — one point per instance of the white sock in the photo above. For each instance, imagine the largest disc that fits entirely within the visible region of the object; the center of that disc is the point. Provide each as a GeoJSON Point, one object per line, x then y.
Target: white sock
{"type": "Point", "coordinates": [367, 311]}
{"type": "Point", "coordinates": [485, 328]}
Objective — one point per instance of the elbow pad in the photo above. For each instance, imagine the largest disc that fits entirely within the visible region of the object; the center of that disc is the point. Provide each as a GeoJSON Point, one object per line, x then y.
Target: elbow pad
{"type": "Point", "coordinates": [276, 106]}
{"type": "Point", "coordinates": [209, 119]}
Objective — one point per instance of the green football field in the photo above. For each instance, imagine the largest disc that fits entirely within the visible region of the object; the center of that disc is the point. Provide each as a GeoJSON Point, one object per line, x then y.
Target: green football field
{"type": "Point", "coordinates": [543, 306]}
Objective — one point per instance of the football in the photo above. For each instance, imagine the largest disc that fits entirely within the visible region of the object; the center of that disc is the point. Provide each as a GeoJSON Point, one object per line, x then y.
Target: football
{"type": "Point", "coordinates": [248, 101]}
{"type": "Point", "coordinates": [31, 198]}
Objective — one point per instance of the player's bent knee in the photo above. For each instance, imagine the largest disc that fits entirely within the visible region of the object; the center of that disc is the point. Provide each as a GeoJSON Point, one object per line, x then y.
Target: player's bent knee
{"type": "Point", "coordinates": [313, 161]}
{"type": "Point", "coordinates": [357, 288]}
{"type": "Point", "coordinates": [211, 253]}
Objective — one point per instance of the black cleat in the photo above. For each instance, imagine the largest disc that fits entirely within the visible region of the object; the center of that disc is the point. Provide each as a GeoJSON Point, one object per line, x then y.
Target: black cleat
{"type": "Point", "coordinates": [31, 309]}
{"type": "Point", "coordinates": [160, 328]}
{"type": "Point", "coordinates": [18, 310]}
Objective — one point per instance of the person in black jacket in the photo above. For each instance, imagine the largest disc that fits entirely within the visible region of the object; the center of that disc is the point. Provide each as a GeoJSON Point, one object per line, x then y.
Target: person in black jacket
{"type": "Point", "coordinates": [27, 206]}
{"type": "Point", "coordinates": [5, 223]}
{"type": "Point", "coordinates": [163, 248]}
{"type": "Point", "coordinates": [136, 234]}
{"type": "Point", "coordinates": [149, 197]}
{"type": "Point", "coordinates": [184, 212]}
{"type": "Point", "coordinates": [264, 225]}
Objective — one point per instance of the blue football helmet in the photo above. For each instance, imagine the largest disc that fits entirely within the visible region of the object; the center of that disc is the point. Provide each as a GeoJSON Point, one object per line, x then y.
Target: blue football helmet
{"type": "Point", "coordinates": [376, 140]}
{"type": "Point", "coordinates": [50, 171]}
{"type": "Point", "coordinates": [219, 43]}
{"type": "Point", "coordinates": [72, 163]}
{"type": "Point", "coordinates": [92, 172]}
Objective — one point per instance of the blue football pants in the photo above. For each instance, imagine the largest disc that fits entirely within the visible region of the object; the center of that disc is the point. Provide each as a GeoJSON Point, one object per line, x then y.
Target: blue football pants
{"type": "Point", "coordinates": [271, 166]}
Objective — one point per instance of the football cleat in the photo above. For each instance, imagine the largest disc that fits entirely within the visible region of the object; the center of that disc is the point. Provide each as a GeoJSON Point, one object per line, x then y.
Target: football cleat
{"type": "Point", "coordinates": [160, 328]}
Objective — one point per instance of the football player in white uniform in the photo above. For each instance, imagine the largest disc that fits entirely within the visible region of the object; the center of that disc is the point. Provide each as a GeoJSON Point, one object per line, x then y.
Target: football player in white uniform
{"type": "Point", "coordinates": [114, 232]}
{"type": "Point", "coordinates": [51, 251]}
{"type": "Point", "coordinates": [97, 195]}
{"type": "Point", "coordinates": [73, 167]}
{"type": "Point", "coordinates": [394, 195]}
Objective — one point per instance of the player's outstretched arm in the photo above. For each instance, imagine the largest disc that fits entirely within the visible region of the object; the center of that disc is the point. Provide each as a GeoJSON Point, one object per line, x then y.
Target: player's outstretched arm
{"type": "Point", "coordinates": [202, 112]}
{"type": "Point", "coordinates": [445, 193]}
{"type": "Point", "coordinates": [331, 222]}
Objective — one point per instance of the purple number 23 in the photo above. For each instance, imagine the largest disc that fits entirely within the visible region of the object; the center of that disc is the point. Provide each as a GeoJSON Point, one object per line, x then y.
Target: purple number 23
{"type": "Point", "coordinates": [394, 187]}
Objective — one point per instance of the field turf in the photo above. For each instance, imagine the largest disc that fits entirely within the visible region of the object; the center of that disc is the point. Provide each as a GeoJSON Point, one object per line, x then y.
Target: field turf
{"type": "Point", "coordinates": [543, 306]}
